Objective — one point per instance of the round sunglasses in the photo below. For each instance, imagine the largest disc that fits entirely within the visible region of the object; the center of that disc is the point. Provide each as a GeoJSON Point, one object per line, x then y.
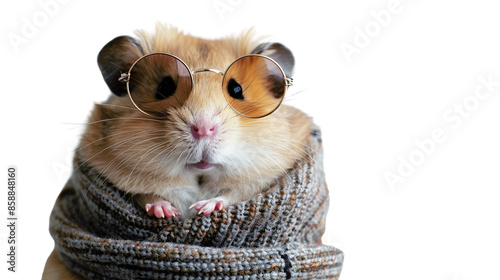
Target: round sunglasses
{"type": "Point", "coordinates": [253, 85]}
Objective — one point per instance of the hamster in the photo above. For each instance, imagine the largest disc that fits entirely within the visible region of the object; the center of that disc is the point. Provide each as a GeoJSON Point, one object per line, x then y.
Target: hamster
{"type": "Point", "coordinates": [202, 156]}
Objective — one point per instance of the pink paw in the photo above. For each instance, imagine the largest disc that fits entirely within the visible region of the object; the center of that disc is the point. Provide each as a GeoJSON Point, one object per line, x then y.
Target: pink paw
{"type": "Point", "coordinates": [208, 206]}
{"type": "Point", "coordinates": [160, 209]}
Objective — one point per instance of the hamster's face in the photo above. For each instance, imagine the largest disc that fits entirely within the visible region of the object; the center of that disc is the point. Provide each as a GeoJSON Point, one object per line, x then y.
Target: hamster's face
{"type": "Point", "coordinates": [177, 127]}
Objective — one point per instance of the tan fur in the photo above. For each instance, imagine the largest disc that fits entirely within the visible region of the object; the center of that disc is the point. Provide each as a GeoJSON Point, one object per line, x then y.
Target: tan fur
{"type": "Point", "coordinates": [147, 157]}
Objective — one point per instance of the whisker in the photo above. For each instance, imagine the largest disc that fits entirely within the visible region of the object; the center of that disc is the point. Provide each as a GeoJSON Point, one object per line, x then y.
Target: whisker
{"type": "Point", "coordinates": [157, 147]}
{"type": "Point", "coordinates": [154, 147]}
{"type": "Point", "coordinates": [293, 94]}
{"type": "Point", "coordinates": [108, 147]}
{"type": "Point", "coordinates": [101, 139]}
{"type": "Point", "coordinates": [118, 106]}
{"type": "Point", "coordinates": [164, 157]}
{"type": "Point", "coordinates": [111, 119]}
{"type": "Point", "coordinates": [123, 161]}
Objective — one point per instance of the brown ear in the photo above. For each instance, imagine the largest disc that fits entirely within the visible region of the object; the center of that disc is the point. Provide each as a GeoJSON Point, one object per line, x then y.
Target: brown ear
{"type": "Point", "coordinates": [279, 53]}
{"type": "Point", "coordinates": [115, 58]}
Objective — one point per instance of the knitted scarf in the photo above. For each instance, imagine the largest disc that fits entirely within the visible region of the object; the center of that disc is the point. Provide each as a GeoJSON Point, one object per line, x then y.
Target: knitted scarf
{"type": "Point", "coordinates": [100, 233]}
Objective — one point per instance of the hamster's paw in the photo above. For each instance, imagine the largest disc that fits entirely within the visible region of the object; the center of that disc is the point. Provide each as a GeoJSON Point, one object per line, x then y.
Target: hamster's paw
{"type": "Point", "coordinates": [161, 209]}
{"type": "Point", "coordinates": [210, 205]}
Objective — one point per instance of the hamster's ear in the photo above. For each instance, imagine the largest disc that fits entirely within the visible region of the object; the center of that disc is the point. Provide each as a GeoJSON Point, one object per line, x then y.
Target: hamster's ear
{"type": "Point", "coordinates": [115, 58]}
{"type": "Point", "coordinates": [279, 53]}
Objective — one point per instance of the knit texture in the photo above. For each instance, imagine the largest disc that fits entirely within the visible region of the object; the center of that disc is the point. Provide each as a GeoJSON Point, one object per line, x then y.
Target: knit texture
{"type": "Point", "coordinates": [100, 233]}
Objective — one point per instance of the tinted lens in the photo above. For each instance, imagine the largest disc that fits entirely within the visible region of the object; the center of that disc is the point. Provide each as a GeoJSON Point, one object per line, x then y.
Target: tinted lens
{"type": "Point", "coordinates": [158, 82]}
{"type": "Point", "coordinates": [254, 86]}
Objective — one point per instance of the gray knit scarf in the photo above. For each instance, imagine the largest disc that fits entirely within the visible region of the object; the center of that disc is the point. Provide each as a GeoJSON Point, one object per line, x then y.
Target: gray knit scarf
{"type": "Point", "coordinates": [100, 233]}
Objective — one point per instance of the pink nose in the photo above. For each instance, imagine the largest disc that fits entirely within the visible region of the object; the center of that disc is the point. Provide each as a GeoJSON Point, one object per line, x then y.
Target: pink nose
{"type": "Point", "coordinates": [208, 130]}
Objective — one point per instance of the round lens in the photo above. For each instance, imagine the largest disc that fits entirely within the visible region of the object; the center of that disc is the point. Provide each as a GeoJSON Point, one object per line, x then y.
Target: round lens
{"type": "Point", "coordinates": [254, 86]}
{"type": "Point", "coordinates": [158, 82]}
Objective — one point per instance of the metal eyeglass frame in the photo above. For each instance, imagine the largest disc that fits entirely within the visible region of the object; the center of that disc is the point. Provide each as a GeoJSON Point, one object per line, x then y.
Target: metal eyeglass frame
{"type": "Point", "coordinates": [125, 78]}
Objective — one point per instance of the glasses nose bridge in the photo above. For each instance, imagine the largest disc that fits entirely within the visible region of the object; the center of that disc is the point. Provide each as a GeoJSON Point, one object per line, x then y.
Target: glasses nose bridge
{"type": "Point", "coordinates": [214, 83]}
{"type": "Point", "coordinates": [207, 70]}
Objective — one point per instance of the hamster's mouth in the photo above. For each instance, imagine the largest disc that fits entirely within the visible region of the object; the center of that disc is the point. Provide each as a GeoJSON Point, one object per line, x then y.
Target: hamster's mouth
{"type": "Point", "coordinates": [202, 165]}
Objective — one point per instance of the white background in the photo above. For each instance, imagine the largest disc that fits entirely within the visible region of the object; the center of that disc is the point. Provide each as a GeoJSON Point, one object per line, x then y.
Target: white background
{"type": "Point", "coordinates": [442, 222]}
